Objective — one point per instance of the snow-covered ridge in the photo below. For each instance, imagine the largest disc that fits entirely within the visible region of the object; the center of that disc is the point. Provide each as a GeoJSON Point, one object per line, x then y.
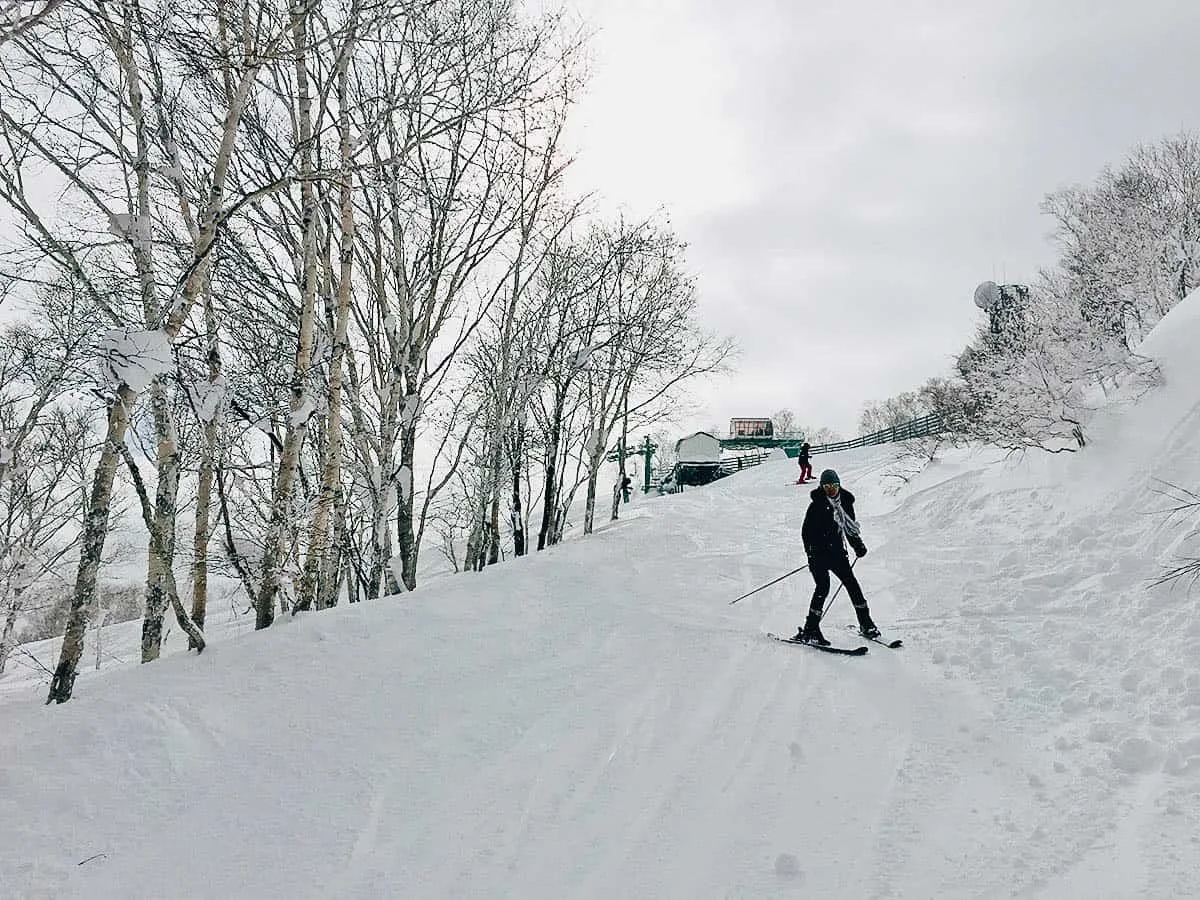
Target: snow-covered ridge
{"type": "Point", "coordinates": [596, 721]}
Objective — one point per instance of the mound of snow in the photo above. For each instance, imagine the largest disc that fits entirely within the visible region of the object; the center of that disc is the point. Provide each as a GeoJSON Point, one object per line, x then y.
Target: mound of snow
{"type": "Point", "coordinates": [1173, 342]}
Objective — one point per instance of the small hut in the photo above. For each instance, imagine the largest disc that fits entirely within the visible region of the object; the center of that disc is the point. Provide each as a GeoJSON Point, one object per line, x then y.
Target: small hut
{"type": "Point", "coordinates": [699, 458]}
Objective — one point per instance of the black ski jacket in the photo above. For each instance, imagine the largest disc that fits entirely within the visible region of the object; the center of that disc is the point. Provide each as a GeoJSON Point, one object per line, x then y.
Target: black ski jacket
{"type": "Point", "coordinates": [822, 538]}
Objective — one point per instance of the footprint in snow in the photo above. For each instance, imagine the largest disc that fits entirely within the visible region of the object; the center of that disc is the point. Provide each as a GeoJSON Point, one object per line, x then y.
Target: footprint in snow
{"type": "Point", "coordinates": [787, 866]}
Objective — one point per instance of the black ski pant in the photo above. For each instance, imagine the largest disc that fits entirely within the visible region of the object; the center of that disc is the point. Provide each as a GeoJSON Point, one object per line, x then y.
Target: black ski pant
{"type": "Point", "coordinates": [839, 565]}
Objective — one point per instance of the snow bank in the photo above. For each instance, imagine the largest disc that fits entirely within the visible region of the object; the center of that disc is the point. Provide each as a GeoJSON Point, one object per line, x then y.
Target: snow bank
{"type": "Point", "coordinates": [1172, 341]}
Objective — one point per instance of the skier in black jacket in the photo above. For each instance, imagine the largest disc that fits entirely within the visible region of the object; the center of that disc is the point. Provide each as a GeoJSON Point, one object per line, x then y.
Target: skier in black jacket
{"type": "Point", "coordinates": [829, 525]}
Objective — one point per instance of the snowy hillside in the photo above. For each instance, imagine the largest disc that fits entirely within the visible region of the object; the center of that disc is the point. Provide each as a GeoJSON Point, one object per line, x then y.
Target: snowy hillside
{"type": "Point", "coordinates": [598, 722]}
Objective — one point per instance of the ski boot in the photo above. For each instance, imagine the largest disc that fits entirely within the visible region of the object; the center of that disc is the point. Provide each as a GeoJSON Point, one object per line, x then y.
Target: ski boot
{"type": "Point", "coordinates": [868, 628]}
{"type": "Point", "coordinates": [811, 632]}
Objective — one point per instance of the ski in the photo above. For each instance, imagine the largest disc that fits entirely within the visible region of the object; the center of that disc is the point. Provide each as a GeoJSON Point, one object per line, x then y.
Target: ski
{"type": "Point", "coordinates": [891, 645]}
{"type": "Point", "coordinates": [844, 651]}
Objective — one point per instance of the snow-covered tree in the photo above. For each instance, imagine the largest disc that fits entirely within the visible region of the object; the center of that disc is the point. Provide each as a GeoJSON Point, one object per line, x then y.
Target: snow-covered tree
{"type": "Point", "coordinates": [819, 434]}
{"type": "Point", "coordinates": [1039, 389]}
{"type": "Point", "coordinates": [893, 411]}
{"type": "Point", "coordinates": [785, 422]}
{"type": "Point", "coordinates": [1130, 241]}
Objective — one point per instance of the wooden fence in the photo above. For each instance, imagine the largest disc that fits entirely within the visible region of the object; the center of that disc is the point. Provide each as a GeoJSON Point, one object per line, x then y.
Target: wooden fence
{"type": "Point", "coordinates": [739, 461]}
{"type": "Point", "coordinates": [927, 425]}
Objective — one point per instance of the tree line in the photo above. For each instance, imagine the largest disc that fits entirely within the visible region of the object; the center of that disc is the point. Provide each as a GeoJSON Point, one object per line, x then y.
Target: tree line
{"type": "Point", "coordinates": [300, 286]}
{"type": "Point", "coordinates": [1052, 351]}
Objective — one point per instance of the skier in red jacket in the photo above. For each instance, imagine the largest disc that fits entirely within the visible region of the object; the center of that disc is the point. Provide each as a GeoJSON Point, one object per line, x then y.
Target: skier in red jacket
{"type": "Point", "coordinates": [805, 464]}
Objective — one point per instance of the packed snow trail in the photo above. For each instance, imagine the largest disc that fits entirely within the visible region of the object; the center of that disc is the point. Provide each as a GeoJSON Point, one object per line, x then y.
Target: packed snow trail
{"type": "Point", "coordinates": [553, 728]}
{"type": "Point", "coordinates": [590, 722]}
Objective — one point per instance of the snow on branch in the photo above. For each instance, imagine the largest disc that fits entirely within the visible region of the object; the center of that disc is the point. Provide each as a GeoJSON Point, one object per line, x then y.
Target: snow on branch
{"type": "Point", "coordinates": [130, 227]}
{"type": "Point", "coordinates": [134, 357]}
{"type": "Point", "coordinates": [210, 398]}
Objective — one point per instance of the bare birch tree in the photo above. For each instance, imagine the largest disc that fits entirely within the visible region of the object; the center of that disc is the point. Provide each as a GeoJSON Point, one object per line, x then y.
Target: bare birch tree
{"type": "Point", "coordinates": [317, 565]}
{"type": "Point", "coordinates": [575, 326]}
{"type": "Point", "coordinates": [451, 196]}
{"type": "Point", "coordinates": [39, 509]}
{"type": "Point", "coordinates": [655, 345]}
{"type": "Point", "coordinates": [508, 359]}
{"type": "Point", "coordinates": [95, 72]}
{"type": "Point", "coordinates": [302, 405]}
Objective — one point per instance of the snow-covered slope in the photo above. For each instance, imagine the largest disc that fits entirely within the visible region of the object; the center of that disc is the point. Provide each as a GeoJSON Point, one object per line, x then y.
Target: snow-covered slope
{"type": "Point", "coordinates": [598, 722]}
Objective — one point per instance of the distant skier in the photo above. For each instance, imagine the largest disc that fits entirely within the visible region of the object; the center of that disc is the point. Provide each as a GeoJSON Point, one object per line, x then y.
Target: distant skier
{"type": "Point", "coordinates": [805, 464]}
{"type": "Point", "coordinates": [829, 525]}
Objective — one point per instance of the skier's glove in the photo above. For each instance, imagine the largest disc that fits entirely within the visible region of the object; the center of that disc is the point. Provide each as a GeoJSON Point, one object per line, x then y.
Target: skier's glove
{"type": "Point", "coordinates": [860, 549]}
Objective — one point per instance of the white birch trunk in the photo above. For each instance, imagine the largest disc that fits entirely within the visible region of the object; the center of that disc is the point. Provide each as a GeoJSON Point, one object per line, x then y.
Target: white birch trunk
{"type": "Point", "coordinates": [276, 550]}
{"type": "Point", "coordinates": [316, 565]}
{"type": "Point", "coordinates": [100, 620]}
{"type": "Point", "coordinates": [95, 530]}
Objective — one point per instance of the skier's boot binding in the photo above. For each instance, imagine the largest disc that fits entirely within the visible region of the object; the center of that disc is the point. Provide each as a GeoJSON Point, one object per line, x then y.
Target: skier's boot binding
{"type": "Point", "coordinates": [811, 632]}
{"type": "Point", "coordinates": [865, 625]}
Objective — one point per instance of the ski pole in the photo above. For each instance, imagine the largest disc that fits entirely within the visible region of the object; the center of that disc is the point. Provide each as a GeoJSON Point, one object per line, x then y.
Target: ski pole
{"type": "Point", "coordinates": [841, 584]}
{"type": "Point", "coordinates": [769, 583]}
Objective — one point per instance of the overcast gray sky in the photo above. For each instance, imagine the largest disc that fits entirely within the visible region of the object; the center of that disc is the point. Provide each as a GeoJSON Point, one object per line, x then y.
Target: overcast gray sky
{"type": "Point", "coordinates": [847, 172]}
